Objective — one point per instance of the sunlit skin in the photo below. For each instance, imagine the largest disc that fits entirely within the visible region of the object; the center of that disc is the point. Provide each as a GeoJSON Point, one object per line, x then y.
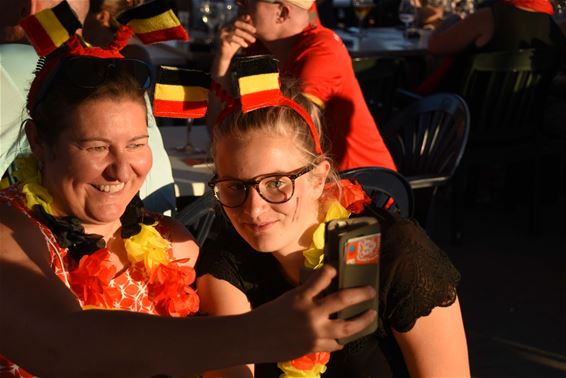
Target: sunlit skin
{"type": "Point", "coordinates": [99, 163]}
{"type": "Point", "coordinates": [278, 228]}
{"type": "Point", "coordinates": [262, 16]}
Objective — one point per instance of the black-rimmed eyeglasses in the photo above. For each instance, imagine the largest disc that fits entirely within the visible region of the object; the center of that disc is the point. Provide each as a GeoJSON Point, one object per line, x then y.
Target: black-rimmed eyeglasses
{"type": "Point", "coordinates": [273, 188]}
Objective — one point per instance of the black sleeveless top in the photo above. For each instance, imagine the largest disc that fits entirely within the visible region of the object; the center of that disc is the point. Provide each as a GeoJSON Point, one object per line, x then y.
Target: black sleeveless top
{"type": "Point", "coordinates": [415, 277]}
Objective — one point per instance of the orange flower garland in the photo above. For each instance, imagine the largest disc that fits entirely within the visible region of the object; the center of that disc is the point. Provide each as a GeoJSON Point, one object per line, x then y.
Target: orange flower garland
{"type": "Point", "coordinates": [168, 282]}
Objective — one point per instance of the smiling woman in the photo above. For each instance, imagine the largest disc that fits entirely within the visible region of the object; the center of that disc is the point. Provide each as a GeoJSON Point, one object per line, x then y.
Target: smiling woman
{"type": "Point", "coordinates": [75, 242]}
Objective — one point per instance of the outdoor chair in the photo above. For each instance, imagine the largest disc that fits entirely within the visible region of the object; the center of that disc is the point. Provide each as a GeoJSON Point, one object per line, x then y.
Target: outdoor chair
{"type": "Point", "coordinates": [506, 93]}
{"type": "Point", "coordinates": [199, 216]}
{"type": "Point", "coordinates": [427, 140]}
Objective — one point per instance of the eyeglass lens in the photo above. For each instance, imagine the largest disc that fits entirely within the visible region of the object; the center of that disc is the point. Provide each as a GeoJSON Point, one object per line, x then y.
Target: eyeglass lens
{"type": "Point", "coordinates": [274, 189]}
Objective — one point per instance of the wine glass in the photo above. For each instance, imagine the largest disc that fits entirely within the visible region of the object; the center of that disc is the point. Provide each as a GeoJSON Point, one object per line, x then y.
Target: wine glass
{"type": "Point", "coordinates": [188, 147]}
{"type": "Point", "coordinates": [407, 13]}
{"type": "Point", "coordinates": [362, 9]}
{"type": "Point", "coordinates": [212, 14]}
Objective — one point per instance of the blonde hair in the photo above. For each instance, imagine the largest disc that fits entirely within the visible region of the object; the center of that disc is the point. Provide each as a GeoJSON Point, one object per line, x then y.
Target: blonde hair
{"type": "Point", "coordinates": [280, 121]}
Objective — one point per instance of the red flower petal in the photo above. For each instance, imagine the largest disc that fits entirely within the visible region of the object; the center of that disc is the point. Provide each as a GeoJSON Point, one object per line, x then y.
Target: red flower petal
{"type": "Point", "coordinates": [170, 291]}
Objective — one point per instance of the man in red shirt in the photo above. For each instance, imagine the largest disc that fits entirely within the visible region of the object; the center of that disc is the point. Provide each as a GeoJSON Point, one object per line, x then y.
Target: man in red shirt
{"type": "Point", "coordinates": [317, 57]}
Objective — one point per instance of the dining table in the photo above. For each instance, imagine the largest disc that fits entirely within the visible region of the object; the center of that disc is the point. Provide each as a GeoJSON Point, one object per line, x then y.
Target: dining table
{"type": "Point", "coordinates": [378, 41]}
{"type": "Point", "coordinates": [385, 41]}
{"type": "Point", "coordinates": [191, 170]}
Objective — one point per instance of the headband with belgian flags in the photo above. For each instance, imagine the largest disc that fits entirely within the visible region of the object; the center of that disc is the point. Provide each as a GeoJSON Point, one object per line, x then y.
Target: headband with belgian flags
{"type": "Point", "coordinates": [49, 29]}
{"type": "Point", "coordinates": [152, 21]}
{"type": "Point", "coordinates": [259, 86]}
{"type": "Point", "coordinates": [52, 32]}
{"type": "Point", "coordinates": [182, 93]}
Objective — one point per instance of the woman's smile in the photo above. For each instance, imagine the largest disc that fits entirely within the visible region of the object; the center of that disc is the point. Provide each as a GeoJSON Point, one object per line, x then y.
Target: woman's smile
{"type": "Point", "coordinates": [109, 188]}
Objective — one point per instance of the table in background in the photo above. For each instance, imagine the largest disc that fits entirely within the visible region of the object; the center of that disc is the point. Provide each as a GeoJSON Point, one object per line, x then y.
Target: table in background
{"type": "Point", "coordinates": [388, 41]}
{"type": "Point", "coordinates": [190, 180]}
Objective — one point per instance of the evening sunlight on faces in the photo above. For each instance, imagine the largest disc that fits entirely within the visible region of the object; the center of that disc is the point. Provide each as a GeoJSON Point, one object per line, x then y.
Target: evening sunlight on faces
{"type": "Point", "coordinates": [265, 226]}
{"type": "Point", "coordinates": [100, 162]}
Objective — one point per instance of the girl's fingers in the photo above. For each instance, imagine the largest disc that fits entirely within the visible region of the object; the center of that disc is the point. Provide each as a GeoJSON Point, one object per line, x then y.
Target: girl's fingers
{"type": "Point", "coordinates": [344, 298]}
{"type": "Point", "coordinates": [318, 281]}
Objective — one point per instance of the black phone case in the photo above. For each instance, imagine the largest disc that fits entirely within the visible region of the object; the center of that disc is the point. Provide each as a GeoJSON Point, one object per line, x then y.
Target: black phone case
{"type": "Point", "coordinates": [353, 274]}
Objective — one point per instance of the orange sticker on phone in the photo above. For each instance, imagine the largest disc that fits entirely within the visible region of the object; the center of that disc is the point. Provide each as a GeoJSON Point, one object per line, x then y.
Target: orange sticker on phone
{"type": "Point", "coordinates": [363, 250]}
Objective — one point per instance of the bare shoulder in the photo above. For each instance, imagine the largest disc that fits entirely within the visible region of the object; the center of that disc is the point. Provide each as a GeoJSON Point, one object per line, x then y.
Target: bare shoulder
{"type": "Point", "coordinates": [476, 29]}
{"type": "Point", "coordinates": [21, 240]}
{"type": "Point", "coordinates": [184, 245]}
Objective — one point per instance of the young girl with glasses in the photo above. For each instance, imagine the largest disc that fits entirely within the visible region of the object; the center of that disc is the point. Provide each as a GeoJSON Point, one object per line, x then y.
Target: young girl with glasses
{"type": "Point", "coordinates": [92, 284]}
{"type": "Point", "coordinates": [276, 188]}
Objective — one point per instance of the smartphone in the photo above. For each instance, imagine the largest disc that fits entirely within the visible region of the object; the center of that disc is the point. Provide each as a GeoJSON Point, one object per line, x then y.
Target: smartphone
{"type": "Point", "coordinates": [352, 246]}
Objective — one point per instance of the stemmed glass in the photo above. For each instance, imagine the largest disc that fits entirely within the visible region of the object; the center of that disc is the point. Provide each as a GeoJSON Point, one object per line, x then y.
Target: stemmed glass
{"type": "Point", "coordinates": [188, 146]}
{"type": "Point", "coordinates": [362, 9]}
{"type": "Point", "coordinates": [212, 14]}
{"type": "Point", "coordinates": [407, 13]}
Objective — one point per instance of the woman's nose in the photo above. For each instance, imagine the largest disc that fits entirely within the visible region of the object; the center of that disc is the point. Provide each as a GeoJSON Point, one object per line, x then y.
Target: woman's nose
{"type": "Point", "coordinates": [119, 168]}
{"type": "Point", "coordinates": [254, 204]}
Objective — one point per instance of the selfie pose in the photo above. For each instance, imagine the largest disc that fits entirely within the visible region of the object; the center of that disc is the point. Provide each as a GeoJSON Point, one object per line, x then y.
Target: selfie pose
{"type": "Point", "coordinates": [75, 241]}
{"type": "Point", "coordinates": [277, 188]}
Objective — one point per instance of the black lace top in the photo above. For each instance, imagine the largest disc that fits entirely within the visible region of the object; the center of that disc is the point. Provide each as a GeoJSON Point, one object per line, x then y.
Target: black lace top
{"type": "Point", "coordinates": [415, 277]}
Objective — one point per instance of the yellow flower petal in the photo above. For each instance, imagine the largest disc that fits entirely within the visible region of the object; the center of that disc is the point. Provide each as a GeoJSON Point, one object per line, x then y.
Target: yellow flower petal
{"type": "Point", "coordinates": [336, 211]}
{"type": "Point", "coordinates": [289, 371]}
{"type": "Point", "coordinates": [147, 246]}
{"type": "Point", "coordinates": [37, 195]}
{"type": "Point", "coordinates": [26, 169]}
{"type": "Point", "coordinates": [314, 256]}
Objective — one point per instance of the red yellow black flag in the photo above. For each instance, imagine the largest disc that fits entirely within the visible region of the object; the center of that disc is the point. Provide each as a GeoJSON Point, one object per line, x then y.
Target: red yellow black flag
{"type": "Point", "coordinates": [181, 93]}
{"type": "Point", "coordinates": [154, 22]}
{"type": "Point", "coordinates": [50, 28]}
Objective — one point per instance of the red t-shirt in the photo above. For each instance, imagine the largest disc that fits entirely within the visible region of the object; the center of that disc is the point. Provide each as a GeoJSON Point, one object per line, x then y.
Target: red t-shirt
{"type": "Point", "coordinates": [324, 68]}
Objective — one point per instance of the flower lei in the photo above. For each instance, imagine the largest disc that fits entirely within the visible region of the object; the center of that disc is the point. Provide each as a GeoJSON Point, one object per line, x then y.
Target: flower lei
{"type": "Point", "coordinates": [352, 200]}
{"type": "Point", "coordinates": [168, 282]}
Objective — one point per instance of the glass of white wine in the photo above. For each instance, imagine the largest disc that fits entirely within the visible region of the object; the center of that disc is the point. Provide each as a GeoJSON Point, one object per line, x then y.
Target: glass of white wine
{"type": "Point", "coordinates": [407, 13]}
{"type": "Point", "coordinates": [362, 9]}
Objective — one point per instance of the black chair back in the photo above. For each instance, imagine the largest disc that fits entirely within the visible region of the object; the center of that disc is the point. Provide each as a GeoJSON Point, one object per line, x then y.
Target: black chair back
{"type": "Point", "coordinates": [387, 188]}
{"type": "Point", "coordinates": [427, 140]}
{"type": "Point", "coordinates": [506, 91]}
{"type": "Point", "coordinates": [199, 216]}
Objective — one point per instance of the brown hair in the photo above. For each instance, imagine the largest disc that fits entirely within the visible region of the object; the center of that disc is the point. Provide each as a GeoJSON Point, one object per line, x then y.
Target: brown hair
{"type": "Point", "coordinates": [52, 114]}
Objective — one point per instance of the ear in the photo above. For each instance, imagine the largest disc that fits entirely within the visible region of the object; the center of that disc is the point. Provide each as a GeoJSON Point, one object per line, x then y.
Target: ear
{"type": "Point", "coordinates": [103, 18]}
{"type": "Point", "coordinates": [37, 146]}
{"type": "Point", "coordinates": [283, 13]}
{"type": "Point", "coordinates": [319, 176]}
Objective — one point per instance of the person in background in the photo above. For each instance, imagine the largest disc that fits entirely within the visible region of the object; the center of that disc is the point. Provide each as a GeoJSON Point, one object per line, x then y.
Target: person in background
{"type": "Point", "coordinates": [430, 13]}
{"type": "Point", "coordinates": [100, 26]}
{"type": "Point", "coordinates": [277, 188]}
{"type": "Point", "coordinates": [18, 60]}
{"type": "Point", "coordinates": [504, 25]}
{"type": "Point", "coordinates": [316, 57]}
{"type": "Point", "coordinates": [77, 242]}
